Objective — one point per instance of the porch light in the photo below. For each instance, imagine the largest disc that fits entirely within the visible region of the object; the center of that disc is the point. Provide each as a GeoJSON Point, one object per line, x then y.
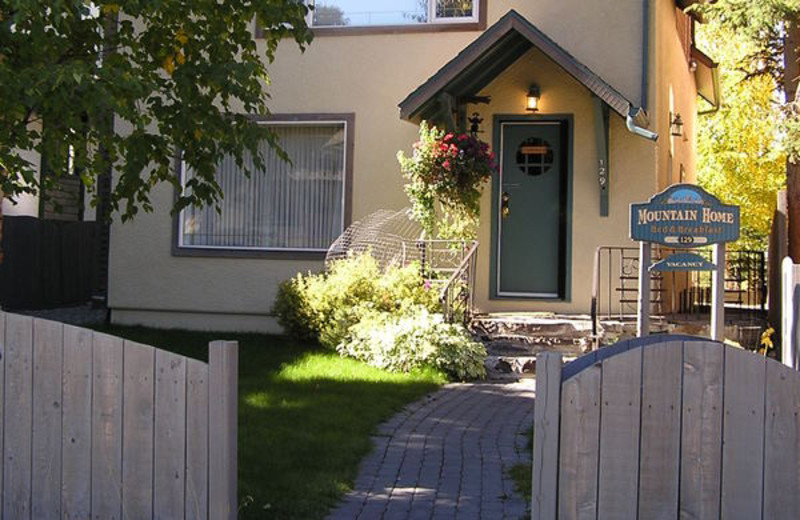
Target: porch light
{"type": "Point", "coordinates": [676, 125]}
{"type": "Point", "coordinates": [532, 104]}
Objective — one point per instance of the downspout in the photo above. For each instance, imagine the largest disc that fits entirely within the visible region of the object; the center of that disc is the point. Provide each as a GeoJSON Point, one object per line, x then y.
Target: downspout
{"type": "Point", "coordinates": [717, 90]}
{"type": "Point", "coordinates": [638, 130]}
{"type": "Point", "coordinates": [635, 112]}
{"type": "Point", "coordinates": [645, 54]}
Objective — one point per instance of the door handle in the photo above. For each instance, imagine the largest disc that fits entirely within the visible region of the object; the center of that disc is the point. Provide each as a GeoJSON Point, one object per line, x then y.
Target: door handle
{"type": "Point", "coordinates": [505, 205]}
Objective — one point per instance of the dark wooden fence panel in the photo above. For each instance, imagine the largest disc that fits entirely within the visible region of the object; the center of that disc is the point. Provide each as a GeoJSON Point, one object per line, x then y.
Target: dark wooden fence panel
{"type": "Point", "coordinates": [46, 263]}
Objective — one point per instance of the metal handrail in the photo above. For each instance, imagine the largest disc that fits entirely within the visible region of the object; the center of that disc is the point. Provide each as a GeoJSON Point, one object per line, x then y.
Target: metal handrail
{"type": "Point", "coordinates": [465, 272]}
{"type": "Point", "coordinates": [745, 282]}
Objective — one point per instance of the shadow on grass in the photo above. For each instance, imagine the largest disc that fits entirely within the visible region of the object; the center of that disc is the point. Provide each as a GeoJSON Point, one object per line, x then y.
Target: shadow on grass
{"type": "Point", "coordinates": [305, 417]}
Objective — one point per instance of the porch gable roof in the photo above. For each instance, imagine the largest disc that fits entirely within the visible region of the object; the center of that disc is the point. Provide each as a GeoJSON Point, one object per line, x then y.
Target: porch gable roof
{"type": "Point", "coordinates": [490, 54]}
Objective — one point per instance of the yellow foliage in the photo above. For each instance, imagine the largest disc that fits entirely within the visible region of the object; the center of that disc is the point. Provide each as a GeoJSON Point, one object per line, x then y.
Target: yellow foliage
{"type": "Point", "coordinates": [766, 341]}
{"type": "Point", "coordinates": [169, 64]}
{"type": "Point", "coordinates": [741, 158]}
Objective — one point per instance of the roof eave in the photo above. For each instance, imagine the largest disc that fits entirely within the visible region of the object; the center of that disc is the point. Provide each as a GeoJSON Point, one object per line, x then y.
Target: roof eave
{"type": "Point", "coordinates": [512, 21]}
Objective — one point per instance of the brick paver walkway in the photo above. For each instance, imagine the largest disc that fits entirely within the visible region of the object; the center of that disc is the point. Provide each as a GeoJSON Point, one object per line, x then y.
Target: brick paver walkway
{"type": "Point", "coordinates": [447, 457]}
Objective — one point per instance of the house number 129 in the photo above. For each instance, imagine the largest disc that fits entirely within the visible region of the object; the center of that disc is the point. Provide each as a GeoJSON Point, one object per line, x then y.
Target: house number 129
{"type": "Point", "coordinates": [601, 171]}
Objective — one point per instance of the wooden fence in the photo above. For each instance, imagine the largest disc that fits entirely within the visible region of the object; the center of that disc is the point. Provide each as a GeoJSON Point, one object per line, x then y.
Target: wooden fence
{"type": "Point", "coordinates": [790, 318]}
{"type": "Point", "coordinates": [666, 427]}
{"type": "Point", "coordinates": [93, 426]}
{"type": "Point", "coordinates": [47, 263]}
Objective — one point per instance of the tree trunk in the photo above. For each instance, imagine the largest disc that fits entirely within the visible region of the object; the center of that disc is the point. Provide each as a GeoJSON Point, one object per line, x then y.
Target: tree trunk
{"type": "Point", "coordinates": [791, 74]}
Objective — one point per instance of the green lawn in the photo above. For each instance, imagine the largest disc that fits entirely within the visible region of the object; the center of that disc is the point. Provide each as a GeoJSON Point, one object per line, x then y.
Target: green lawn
{"type": "Point", "coordinates": [305, 417]}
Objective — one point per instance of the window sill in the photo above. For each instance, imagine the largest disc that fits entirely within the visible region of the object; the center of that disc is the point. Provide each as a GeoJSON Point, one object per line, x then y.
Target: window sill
{"type": "Point", "coordinates": [399, 29]}
{"type": "Point", "coordinates": [198, 252]}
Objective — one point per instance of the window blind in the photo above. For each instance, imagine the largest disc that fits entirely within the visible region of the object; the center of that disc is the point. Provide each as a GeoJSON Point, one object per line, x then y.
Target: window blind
{"type": "Point", "coordinates": [290, 206]}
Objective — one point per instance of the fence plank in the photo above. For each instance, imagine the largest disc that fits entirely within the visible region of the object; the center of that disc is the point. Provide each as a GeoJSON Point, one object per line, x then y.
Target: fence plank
{"type": "Point", "coordinates": [659, 473]}
{"type": "Point", "coordinates": [781, 460]}
{"type": "Point", "coordinates": [619, 435]}
{"type": "Point", "coordinates": [2, 387]}
{"type": "Point", "coordinates": [107, 427]}
{"type": "Point", "coordinates": [170, 436]}
{"type": "Point", "coordinates": [19, 390]}
{"type": "Point", "coordinates": [545, 436]}
{"type": "Point", "coordinates": [76, 447]}
{"type": "Point", "coordinates": [223, 370]}
{"type": "Point", "coordinates": [790, 325]}
{"type": "Point", "coordinates": [701, 435]}
{"type": "Point", "coordinates": [137, 431]}
{"type": "Point", "coordinates": [197, 440]}
{"type": "Point", "coordinates": [48, 348]}
{"type": "Point", "coordinates": [743, 433]}
{"type": "Point", "coordinates": [579, 446]}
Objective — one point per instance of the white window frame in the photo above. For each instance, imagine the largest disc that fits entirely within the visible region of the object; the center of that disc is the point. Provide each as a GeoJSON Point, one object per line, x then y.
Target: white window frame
{"type": "Point", "coordinates": [345, 187]}
{"type": "Point", "coordinates": [432, 18]}
{"type": "Point", "coordinates": [453, 19]}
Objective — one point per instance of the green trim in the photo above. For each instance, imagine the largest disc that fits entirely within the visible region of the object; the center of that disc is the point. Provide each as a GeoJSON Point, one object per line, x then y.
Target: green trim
{"type": "Point", "coordinates": [569, 121]}
{"type": "Point", "coordinates": [601, 122]}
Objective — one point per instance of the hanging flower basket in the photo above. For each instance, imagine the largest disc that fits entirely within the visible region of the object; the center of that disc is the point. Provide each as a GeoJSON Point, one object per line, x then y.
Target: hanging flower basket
{"type": "Point", "coordinates": [446, 175]}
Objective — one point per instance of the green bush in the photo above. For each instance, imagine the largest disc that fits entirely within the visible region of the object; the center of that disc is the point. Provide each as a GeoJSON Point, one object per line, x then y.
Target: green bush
{"type": "Point", "coordinates": [325, 306]}
{"type": "Point", "coordinates": [292, 310]}
{"type": "Point", "coordinates": [415, 338]}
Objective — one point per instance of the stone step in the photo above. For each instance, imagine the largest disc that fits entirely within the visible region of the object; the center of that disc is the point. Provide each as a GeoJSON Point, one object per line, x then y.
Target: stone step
{"type": "Point", "coordinates": [512, 347]}
{"type": "Point", "coordinates": [536, 327]}
{"type": "Point", "coordinates": [513, 367]}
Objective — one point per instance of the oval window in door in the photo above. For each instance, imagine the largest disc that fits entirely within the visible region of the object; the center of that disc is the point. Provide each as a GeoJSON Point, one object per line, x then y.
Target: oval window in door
{"type": "Point", "coordinates": [535, 156]}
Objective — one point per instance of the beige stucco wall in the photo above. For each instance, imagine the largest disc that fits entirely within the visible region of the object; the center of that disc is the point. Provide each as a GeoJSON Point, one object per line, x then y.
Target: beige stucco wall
{"type": "Point", "coordinates": [675, 92]}
{"type": "Point", "coordinates": [25, 204]}
{"type": "Point", "coordinates": [369, 76]}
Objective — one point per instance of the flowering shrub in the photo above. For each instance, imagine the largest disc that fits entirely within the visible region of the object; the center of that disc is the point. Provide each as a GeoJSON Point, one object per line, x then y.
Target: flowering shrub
{"type": "Point", "coordinates": [324, 306]}
{"type": "Point", "coordinates": [412, 339]}
{"type": "Point", "coordinates": [388, 318]}
{"type": "Point", "coordinates": [446, 175]}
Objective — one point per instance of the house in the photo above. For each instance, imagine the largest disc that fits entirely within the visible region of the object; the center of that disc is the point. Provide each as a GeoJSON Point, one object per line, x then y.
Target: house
{"type": "Point", "coordinates": [613, 80]}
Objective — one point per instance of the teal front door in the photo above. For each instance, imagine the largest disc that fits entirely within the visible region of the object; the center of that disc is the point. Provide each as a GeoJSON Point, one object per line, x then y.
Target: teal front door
{"type": "Point", "coordinates": [532, 205]}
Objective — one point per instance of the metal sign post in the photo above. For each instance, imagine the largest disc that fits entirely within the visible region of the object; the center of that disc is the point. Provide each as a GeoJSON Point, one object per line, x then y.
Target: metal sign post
{"type": "Point", "coordinates": [643, 302]}
{"type": "Point", "coordinates": [718, 294]}
{"type": "Point", "coordinates": [684, 216]}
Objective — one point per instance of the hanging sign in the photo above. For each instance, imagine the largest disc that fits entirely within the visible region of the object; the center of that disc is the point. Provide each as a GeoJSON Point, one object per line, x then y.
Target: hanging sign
{"type": "Point", "coordinates": [683, 262]}
{"type": "Point", "coordinates": [684, 215]}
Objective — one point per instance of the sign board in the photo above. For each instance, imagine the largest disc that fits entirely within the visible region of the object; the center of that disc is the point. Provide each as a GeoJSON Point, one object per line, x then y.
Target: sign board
{"type": "Point", "coordinates": [683, 262]}
{"type": "Point", "coordinates": [684, 215]}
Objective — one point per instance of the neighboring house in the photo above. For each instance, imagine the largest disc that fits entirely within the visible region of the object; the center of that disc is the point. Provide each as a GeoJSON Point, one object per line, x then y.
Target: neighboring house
{"type": "Point", "coordinates": [608, 73]}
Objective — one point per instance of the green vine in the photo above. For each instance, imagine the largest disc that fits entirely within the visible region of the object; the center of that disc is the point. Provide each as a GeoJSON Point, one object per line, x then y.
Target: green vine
{"type": "Point", "coordinates": [446, 175]}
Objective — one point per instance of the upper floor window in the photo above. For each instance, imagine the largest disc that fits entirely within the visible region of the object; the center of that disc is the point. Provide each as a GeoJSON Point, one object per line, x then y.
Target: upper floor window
{"type": "Point", "coordinates": [369, 13]}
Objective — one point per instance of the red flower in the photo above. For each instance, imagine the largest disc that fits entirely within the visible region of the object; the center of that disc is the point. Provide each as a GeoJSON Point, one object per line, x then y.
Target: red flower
{"type": "Point", "coordinates": [446, 165]}
{"type": "Point", "coordinates": [448, 137]}
{"type": "Point", "coordinates": [463, 137]}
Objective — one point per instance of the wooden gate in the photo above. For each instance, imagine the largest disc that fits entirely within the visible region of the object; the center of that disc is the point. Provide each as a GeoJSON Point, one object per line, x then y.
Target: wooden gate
{"type": "Point", "coordinates": [666, 427]}
{"type": "Point", "coordinates": [93, 426]}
